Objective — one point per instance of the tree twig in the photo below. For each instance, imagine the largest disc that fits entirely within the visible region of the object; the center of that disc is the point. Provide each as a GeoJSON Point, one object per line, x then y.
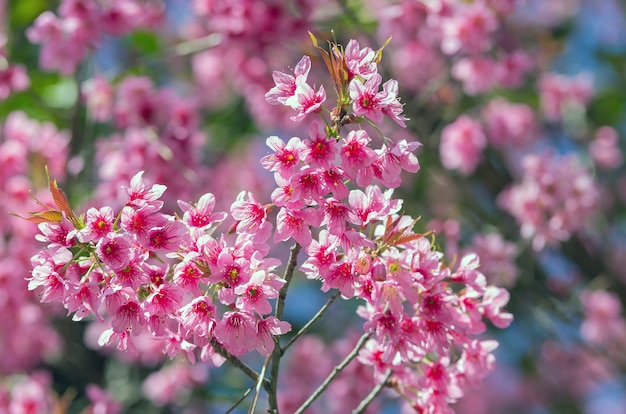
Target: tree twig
{"type": "Point", "coordinates": [334, 373]}
{"type": "Point", "coordinates": [291, 267]}
{"type": "Point", "coordinates": [258, 384]}
{"type": "Point", "coordinates": [310, 323]}
{"type": "Point", "coordinates": [280, 307]}
{"type": "Point", "coordinates": [240, 400]}
{"type": "Point", "coordinates": [373, 394]}
{"type": "Point", "coordinates": [237, 362]}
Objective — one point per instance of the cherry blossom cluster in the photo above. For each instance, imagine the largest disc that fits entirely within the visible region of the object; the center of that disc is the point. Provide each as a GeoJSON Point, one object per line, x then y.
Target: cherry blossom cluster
{"type": "Point", "coordinates": [66, 39]}
{"type": "Point", "coordinates": [13, 77]}
{"type": "Point", "coordinates": [464, 35]}
{"type": "Point", "coordinates": [555, 198]}
{"type": "Point", "coordinates": [560, 94]}
{"type": "Point", "coordinates": [115, 265]}
{"type": "Point", "coordinates": [35, 394]}
{"type": "Point", "coordinates": [208, 296]}
{"type": "Point", "coordinates": [604, 323]}
{"type": "Point", "coordinates": [157, 129]}
{"type": "Point", "coordinates": [604, 149]}
{"type": "Point", "coordinates": [29, 394]}
{"type": "Point", "coordinates": [26, 145]}
{"type": "Point", "coordinates": [366, 249]}
{"type": "Point", "coordinates": [247, 36]}
{"type": "Point", "coordinates": [497, 258]}
{"type": "Point", "coordinates": [505, 126]}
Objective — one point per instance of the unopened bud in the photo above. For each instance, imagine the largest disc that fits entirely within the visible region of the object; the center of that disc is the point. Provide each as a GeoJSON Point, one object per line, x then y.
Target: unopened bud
{"type": "Point", "coordinates": [379, 272]}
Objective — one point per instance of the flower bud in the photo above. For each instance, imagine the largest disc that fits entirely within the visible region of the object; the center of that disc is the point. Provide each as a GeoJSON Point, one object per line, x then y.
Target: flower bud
{"type": "Point", "coordinates": [379, 272]}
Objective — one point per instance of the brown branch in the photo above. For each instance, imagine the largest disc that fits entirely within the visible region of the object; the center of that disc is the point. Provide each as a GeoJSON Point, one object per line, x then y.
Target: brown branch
{"type": "Point", "coordinates": [373, 394]}
{"type": "Point", "coordinates": [280, 306]}
{"type": "Point", "coordinates": [336, 371]}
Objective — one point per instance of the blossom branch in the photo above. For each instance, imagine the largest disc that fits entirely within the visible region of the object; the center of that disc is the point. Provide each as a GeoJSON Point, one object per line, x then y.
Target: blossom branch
{"type": "Point", "coordinates": [280, 305]}
{"type": "Point", "coordinates": [241, 399]}
{"type": "Point", "coordinates": [237, 362]}
{"type": "Point", "coordinates": [373, 394]}
{"type": "Point", "coordinates": [310, 323]}
{"type": "Point", "coordinates": [336, 371]}
{"type": "Point", "coordinates": [258, 385]}
{"type": "Point", "coordinates": [291, 266]}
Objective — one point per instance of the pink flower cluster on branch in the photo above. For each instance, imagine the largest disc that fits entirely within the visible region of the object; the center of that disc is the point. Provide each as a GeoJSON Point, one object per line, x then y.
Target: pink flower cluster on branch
{"type": "Point", "coordinates": [66, 39]}
{"type": "Point", "coordinates": [554, 199]}
{"type": "Point", "coordinates": [116, 266]}
{"type": "Point", "coordinates": [210, 296]}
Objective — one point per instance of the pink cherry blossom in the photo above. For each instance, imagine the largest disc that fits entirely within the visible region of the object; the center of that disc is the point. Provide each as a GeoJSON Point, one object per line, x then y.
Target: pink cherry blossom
{"type": "Point", "coordinates": [567, 192]}
{"type": "Point", "coordinates": [166, 237]}
{"type": "Point", "coordinates": [128, 318]}
{"type": "Point", "coordinates": [98, 223]}
{"type": "Point", "coordinates": [237, 331]}
{"type": "Point", "coordinates": [475, 73]}
{"type": "Point", "coordinates": [198, 317]}
{"type": "Point", "coordinates": [321, 255]}
{"type": "Point", "coordinates": [496, 258]}
{"type": "Point", "coordinates": [561, 93]}
{"type": "Point", "coordinates": [492, 304]}
{"type": "Point", "coordinates": [509, 124]}
{"type": "Point", "coordinates": [367, 100]}
{"type": "Point", "coordinates": [139, 195]}
{"type": "Point", "coordinates": [307, 185]}
{"type": "Point", "coordinates": [267, 329]}
{"type": "Point", "coordinates": [355, 153]}
{"type": "Point", "coordinates": [101, 402]}
{"type": "Point", "coordinates": [286, 84]}
{"type": "Point", "coordinates": [604, 148]}
{"type": "Point", "coordinates": [371, 205]}
{"type": "Point", "coordinates": [60, 233]}
{"type": "Point", "coordinates": [360, 62]}
{"type": "Point", "coordinates": [114, 250]}
{"type": "Point", "coordinates": [295, 223]}
{"type": "Point", "coordinates": [64, 41]}
{"type": "Point", "coordinates": [286, 156]}
{"type": "Point", "coordinates": [321, 150]}
{"type": "Point", "coordinates": [254, 294]}
{"type": "Point", "coordinates": [98, 95]}
{"type": "Point", "coordinates": [462, 143]}
{"type": "Point", "coordinates": [201, 215]}
{"type": "Point", "coordinates": [307, 100]}
{"type": "Point", "coordinates": [13, 79]}
{"type": "Point", "coordinates": [469, 30]}
{"type": "Point", "coordinates": [604, 323]}
{"type": "Point", "coordinates": [249, 214]}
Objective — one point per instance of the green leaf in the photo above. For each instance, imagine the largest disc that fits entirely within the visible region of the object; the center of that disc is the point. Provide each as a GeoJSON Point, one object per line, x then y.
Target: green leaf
{"type": "Point", "coordinates": [62, 94]}
{"type": "Point", "coordinates": [145, 42]}
{"type": "Point", "coordinates": [23, 12]}
{"type": "Point", "coordinates": [608, 107]}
